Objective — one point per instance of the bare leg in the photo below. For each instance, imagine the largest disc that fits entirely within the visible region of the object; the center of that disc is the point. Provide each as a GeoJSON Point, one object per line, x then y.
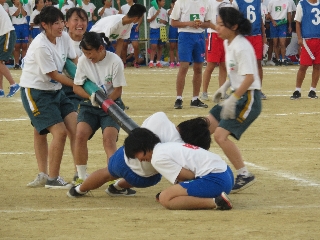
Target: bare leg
{"type": "Point", "coordinates": [110, 135]}
{"type": "Point", "coordinates": [301, 75]}
{"type": "Point", "coordinates": [181, 77]}
{"type": "Point", "coordinates": [41, 151]}
{"type": "Point", "coordinates": [207, 76]}
{"type": "Point", "coordinates": [222, 73]}
{"type": "Point", "coordinates": [176, 198]}
{"type": "Point", "coordinates": [56, 148]}
{"type": "Point", "coordinates": [197, 78]}
{"type": "Point", "coordinates": [96, 180]}
{"type": "Point", "coordinates": [4, 70]}
{"type": "Point", "coordinates": [315, 75]}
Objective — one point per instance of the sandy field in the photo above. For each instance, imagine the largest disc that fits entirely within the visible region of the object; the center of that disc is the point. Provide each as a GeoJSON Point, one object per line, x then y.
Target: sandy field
{"type": "Point", "coordinates": [281, 148]}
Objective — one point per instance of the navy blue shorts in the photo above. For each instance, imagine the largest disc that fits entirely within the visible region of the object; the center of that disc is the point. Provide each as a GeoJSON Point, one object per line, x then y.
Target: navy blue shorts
{"type": "Point", "coordinates": [119, 169]}
{"type": "Point", "coordinates": [155, 36]}
{"type": "Point", "coordinates": [211, 185]}
{"type": "Point", "coordinates": [173, 34]}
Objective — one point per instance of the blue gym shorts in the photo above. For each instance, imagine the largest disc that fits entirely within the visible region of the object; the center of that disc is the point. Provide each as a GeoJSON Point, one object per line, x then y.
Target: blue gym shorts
{"type": "Point", "coordinates": [22, 32]}
{"type": "Point", "coordinates": [278, 31]}
{"type": "Point", "coordinates": [35, 32]}
{"type": "Point", "coordinates": [211, 185]}
{"type": "Point", "coordinates": [45, 108]}
{"type": "Point", "coordinates": [119, 169]}
{"type": "Point", "coordinates": [96, 117]}
{"type": "Point", "coordinates": [191, 47]}
{"type": "Point", "coordinates": [173, 34]}
{"type": "Point", "coordinates": [155, 36]}
{"type": "Point", "coordinates": [247, 110]}
{"type": "Point", "coordinates": [90, 24]}
{"type": "Point", "coordinates": [7, 42]}
{"type": "Point", "coordinates": [134, 36]}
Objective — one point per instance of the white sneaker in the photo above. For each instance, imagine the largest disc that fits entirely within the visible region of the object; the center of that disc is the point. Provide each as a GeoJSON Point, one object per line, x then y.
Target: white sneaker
{"type": "Point", "coordinates": [270, 63]}
{"type": "Point", "coordinates": [204, 96]}
{"type": "Point", "coordinates": [40, 181]}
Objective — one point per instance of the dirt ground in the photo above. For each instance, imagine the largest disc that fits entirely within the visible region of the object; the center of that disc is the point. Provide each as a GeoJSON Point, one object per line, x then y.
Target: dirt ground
{"type": "Point", "coordinates": [281, 148]}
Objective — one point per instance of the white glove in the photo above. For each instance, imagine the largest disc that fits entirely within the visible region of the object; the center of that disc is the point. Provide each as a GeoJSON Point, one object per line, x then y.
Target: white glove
{"type": "Point", "coordinates": [229, 107]}
{"type": "Point", "coordinates": [221, 92]}
{"type": "Point", "coordinates": [93, 100]}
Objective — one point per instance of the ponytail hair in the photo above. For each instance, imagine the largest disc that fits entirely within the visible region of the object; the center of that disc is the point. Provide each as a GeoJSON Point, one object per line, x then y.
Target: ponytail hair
{"type": "Point", "coordinates": [93, 40]}
{"type": "Point", "coordinates": [231, 17]}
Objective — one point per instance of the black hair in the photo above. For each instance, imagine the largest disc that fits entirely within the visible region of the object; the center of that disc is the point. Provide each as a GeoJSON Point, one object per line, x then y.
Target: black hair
{"type": "Point", "coordinates": [35, 4]}
{"type": "Point", "coordinates": [93, 40]}
{"type": "Point", "coordinates": [173, 1]}
{"type": "Point", "coordinates": [80, 13]}
{"type": "Point", "coordinates": [231, 16]}
{"type": "Point", "coordinates": [136, 10]}
{"type": "Point", "coordinates": [135, 1]}
{"type": "Point", "coordinates": [103, 1]}
{"type": "Point", "coordinates": [196, 132]}
{"type": "Point", "coordinates": [140, 140]}
{"type": "Point", "coordinates": [48, 15]}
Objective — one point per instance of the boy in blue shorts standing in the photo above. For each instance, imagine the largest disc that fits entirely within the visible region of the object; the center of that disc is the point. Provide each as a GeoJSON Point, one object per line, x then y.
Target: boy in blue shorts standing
{"type": "Point", "coordinates": [7, 41]}
{"type": "Point", "coordinates": [20, 23]}
{"type": "Point", "coordinates": [279, 12]}
{"type": "Point", "coordinates": [157, 19]}
{"type": "Point", "coordinates": [191, 18]}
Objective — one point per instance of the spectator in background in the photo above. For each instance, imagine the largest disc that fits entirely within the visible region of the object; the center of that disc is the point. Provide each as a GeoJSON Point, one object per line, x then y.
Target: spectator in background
{"type": "Point", "coordinates": [107, 9]}
{"type": "Point", "coordinates": [89, 8]}
{"type": "Point", "coordinates": [35, 29]}
{"type": "Point", "coordinates": [173, 41]}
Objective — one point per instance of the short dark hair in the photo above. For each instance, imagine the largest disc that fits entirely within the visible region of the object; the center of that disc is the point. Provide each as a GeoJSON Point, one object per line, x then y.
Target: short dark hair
{"type": "Point", "coordinates": [136, 10]}
{"type": "Point", "coordinates": [140, 139]}
{"type": "Point", "coordinates": [196, 132]}
{"type": "Point", "coordinates": [80, 13]}
{"type": "Point", "coordinates": [231, 16]}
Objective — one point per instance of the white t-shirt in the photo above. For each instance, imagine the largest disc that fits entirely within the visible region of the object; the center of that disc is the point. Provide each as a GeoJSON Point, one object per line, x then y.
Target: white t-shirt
{"type": "Point", "coordinates": [241, 60]}
{"type": "Point", "coordinates": [160, 125]}
{"type": "Point", "coordinates": [108, 73]}
{"type": "Point", "coordinates": [162, 15]}
{"type": "Point", "coordinates": [125, 8]}
{"type": "Point", "coordinates": [33, 15]}
{"type": "Point", "coordinates": [5, 22]}
{"type": "Point", "coordinates": [188, 10]}
{"type": "Point", "coordinates": [264, 12]}
{"type": "Point", "coordinates": [279, 9]}
{"type": "Point", "coordinates": [76, 46]}
{"type": "Point", "coordinates": [44, 57]}
{"type": "Point", "coordinates": [108, 12]}
{"type": "Point", "coordinates": [169, 158]}
{"type": "Point", "coordinates": [6, 7]}
{"type": "Point", "coordinates": [112, 27]}
{"type": "Point", "coordinates": [89, 9]}
{"type": "Point", "coordinates": [20, 19]}
{"type": "Point", "coordinates": [215, 6]}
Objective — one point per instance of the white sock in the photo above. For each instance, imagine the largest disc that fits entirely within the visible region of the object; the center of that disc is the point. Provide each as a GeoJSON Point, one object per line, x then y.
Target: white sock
{"type": "Point", "coordinates": [312, 89]}
{"type": "Point", "coordinates": [179, 97]}
{"type": "Point", "coordinates": [195, 98]}
{"type": "Point", "coordinates": [243, 171]}
{"type": "Point", "coordinates": [82, 171]}
{"type": "Point", "coordinates": [298, 89]}
{"type": "Point", "coordinates": [151, 61]}
{"type": "Point", "coordinates": [117, 186]}
{"type": "Point", "coordinates": [78, 189]}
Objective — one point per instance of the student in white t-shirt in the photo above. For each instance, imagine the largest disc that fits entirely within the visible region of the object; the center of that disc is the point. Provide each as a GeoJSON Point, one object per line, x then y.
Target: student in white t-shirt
{"type": "Point", "coordinates": [18, 15]}
{"type": "Point", "coordinates": [76, 23]}
{"type": "Point", "coordinates": [191, 18]}
{"type": "Point", "coordinates": [203, 178]}
{"type": "Point", "coordinates": [143, 174]}
{"type": "Point", "coordinates": [5, 5]}
{"type": "Point", "coordinates": [157, 19]}
{"type": "Point", "coordinates": [35, 29]}
{"type": "Point", "coordinates": [134, 34]}
{"type": "Point", "coordinates": [118, 27]}
{"type": "Point", "coordinates": [89, 8]}
{"type": "Point", "coordinates": [235, 114]}
{"type": "Point", "coordinates": [7, 42]}
{"type": "Point", "coordinates": [106, 70]}
{"type": "Point", "coordinates": [107, 9]}
{"type": "Point", "coordinates": [41, 80]}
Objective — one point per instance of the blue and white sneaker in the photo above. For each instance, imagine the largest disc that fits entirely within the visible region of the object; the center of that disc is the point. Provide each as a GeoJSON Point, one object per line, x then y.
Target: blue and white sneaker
{"type": "Point", "coordinates": [13, 90]}
{"type": "Point", "coordinates": [1, 93]}
{"type": "Point", "coordinates": [243, 182]}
